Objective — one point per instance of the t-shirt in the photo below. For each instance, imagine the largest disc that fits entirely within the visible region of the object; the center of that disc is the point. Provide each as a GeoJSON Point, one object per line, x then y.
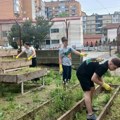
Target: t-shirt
{"type": "Point", "coordinates": [88, 68]}
{"type": "Point", "coordinates": [65, 54]}
{"type": "Point", "coordinates": [29, 51]}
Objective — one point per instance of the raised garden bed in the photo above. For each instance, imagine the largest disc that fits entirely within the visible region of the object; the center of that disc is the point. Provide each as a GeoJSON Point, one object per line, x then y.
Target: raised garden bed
{"type": "Point", "coordinates": [4, 53]}
{"type": "Point", "coordinates": [13, 63]}
{"type": "Point", "coordinates": [104, 100]}
{"type": "Point", "coordinates": [22, 75]}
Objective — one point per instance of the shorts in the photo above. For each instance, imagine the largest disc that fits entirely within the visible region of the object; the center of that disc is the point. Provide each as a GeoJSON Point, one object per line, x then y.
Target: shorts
{"type": "Point", "coordinates": [85, 82]}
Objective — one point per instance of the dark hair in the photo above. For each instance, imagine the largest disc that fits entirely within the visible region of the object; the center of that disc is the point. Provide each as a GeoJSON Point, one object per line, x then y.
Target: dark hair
{"type": "Point", "coordinates": [116, 62]}
{"type": "Point", "coordinates": [27, 43]}
{"type": "Point", "coordinates": [63, 39]}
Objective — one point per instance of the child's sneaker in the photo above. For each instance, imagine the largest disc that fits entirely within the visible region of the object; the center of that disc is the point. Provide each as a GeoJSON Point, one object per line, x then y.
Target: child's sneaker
{"type": "Point", "coordinates": [91, 117]}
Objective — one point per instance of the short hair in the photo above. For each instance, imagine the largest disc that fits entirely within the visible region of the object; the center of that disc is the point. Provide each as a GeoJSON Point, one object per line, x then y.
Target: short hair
{"type": "Point", "coordinates": [63, 39]}
{"type": "Point", "coordinates": [116, 61]}
{"type": "Point", "coordinates": [27, 43]}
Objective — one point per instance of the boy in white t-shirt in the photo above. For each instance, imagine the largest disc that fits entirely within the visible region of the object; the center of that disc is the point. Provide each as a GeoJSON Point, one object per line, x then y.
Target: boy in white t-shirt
{"type": "Point", "coordinates": [31, 54]}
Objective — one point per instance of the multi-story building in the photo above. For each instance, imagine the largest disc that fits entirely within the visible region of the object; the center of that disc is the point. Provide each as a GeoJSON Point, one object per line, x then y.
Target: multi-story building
{"type": "Point", "coordinates": [58, 30]}
{"type": "Point", "coordinates": [24, 9]}
{"type": "Point", "coordinates": [66, 7]}
{"type": "Point", "coordinates": [116, 17]}
{"type": "Point", "coordinates": [93, 24]}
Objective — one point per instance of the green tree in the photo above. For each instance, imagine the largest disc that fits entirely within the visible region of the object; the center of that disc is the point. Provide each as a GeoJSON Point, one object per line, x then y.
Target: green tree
{"type": "Point", "coordinates": [41, 30]}
{"type": "Point", "coordinates": [35, 34]}
{"type": "Point", "coordinates": [27, 31]}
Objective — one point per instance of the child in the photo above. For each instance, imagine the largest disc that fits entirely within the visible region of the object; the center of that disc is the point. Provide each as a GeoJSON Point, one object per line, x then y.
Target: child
{"type": "Point", "coordinates": [31, 54]}
{"type": "Point", "coordinates": [65, 59]}
{"type": "Point", "coordinates": [90, 72]}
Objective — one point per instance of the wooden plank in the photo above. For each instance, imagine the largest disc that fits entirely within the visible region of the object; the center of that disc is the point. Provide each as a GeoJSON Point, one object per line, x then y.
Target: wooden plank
{"type": "Point", "coordinates": [106, 109]}
{"type": "Point", "coordinates": [76, 108]}
{"type": "Point", "coordinates": [31, 75]}
{"type": "Point", "coordinates": [8, 52]}
{"type": "Point", "coordinates": [7, 78]}
{"type": "Point", "coordinates": [14, 64]}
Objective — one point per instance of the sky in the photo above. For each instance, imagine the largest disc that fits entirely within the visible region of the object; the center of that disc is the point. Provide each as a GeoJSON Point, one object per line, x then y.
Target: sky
{"type": "Point", "coordinates": [98, 6]}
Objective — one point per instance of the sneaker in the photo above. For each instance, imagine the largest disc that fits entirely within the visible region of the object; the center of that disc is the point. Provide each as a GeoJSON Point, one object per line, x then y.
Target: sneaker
{"type": "Point", "coordinates": [91, 117]}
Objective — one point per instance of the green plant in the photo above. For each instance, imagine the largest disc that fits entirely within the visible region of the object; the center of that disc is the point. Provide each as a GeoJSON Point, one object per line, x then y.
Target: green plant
{"type": "Point", "coordinates": [36, 98]}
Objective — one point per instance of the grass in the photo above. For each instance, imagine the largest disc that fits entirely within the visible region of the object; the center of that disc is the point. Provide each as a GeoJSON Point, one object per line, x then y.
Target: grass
{"type": "Point", "coordinates": [114, 113]}
{"type": "Point", "coordinates": [23, 71]}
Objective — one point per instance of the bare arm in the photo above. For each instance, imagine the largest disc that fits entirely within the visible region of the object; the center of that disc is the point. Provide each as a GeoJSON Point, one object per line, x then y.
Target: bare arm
{"type": "Point", "coordinates": [76, 52]}
{"type": "Point", "coordinates": [20, 53]}
{"type": "Point", "coordinates": [95, 78]}
{"type": "Point", "coordinates": [60, 60]}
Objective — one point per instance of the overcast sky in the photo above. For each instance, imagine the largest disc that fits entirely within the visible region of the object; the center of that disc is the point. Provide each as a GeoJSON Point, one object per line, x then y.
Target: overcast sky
{"type": "Point", "coordinates": [99, 6]}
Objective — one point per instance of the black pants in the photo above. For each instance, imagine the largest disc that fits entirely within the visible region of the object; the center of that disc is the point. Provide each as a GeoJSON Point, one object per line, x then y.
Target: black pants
{"type": "Point", "coordinates": [66, 73]}
{"type": "Point", "coordinates": [34, 64]}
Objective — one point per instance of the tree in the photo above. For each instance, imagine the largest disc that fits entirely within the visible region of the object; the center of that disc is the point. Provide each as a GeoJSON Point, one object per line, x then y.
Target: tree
{"type": "Point", "coordinates": [35, 34]}
{"type": "Point", "coordinates": [26, 32]}
{"type": "Point", "coordinates": [41, 30]}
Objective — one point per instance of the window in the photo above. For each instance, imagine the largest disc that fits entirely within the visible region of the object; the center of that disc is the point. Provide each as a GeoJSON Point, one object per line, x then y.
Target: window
{"type": "Point", "coordinates": [47, 42]}
{"type": "Point", "coordinates": [55, 41]}
{"type": "Point", "coordinates": [55, 30]}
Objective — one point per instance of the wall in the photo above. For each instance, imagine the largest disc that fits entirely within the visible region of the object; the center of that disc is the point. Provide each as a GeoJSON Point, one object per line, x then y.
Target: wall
{"type": "Point", "coordinates": [112, 34]}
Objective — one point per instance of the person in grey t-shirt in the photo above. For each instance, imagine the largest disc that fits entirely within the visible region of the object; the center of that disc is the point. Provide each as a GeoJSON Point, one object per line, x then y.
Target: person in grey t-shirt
{"type": "Point", "coordinates": [65, 59]}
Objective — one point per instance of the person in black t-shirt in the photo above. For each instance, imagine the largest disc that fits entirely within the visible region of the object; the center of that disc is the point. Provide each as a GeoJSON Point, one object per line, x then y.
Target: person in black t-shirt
{"type": "Point", "coordinates": [90, 72]}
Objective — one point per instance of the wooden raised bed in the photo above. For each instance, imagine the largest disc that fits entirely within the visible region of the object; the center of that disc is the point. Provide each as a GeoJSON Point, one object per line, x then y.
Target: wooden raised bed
{"type": "Point", "coordinates": [76, 108]}
{"type": "Point", "coordinates": [4, 53]}
{"type": "Point", "coordinates": [79, 106]}
{"type": "Point", "coordinates": [19, 76]}
{"type": "Point", "coordinates": [106, 109]}
{"type": "Point", "coordinates": [15, 63]}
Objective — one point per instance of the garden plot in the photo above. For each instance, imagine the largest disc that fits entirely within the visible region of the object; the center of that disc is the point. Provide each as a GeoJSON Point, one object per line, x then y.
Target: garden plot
{"type": "Point", "coordinates": [10, 63]}
{"type": "Point", "coordinates": [15, 106]}
{"type": "Point", "coordinates": [114, 113]}
{"type": "Point", "coordinates": [11, 52]}
{"type": "Point", "coordinates": [102, 101]}
{"type": "Point", "coordinates": [22, 75]}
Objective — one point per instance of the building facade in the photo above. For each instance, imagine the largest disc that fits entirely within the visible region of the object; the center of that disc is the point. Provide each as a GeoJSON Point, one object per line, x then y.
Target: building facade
{"type": "Point", "coordinates": [23, 9]}
{"type": "Point", "coordinates": [62, 7]}
{"type": "Point", "coordinates": [116, 17]}
{"type": "Point", "coordinates": [94, 24]}
{"type": "Point", "coordinates": [58, 30]}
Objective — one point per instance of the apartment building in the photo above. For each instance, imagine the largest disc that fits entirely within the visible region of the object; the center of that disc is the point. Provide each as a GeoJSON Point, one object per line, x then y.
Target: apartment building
{"type": "Point", "coordinates": [67, 7]}
{"type": "Point", "coordinates": [24, 9]}
{"type": "Point", "coordinates": [58, 30]}
{"type": "Point", "coordinates": [94, 24]}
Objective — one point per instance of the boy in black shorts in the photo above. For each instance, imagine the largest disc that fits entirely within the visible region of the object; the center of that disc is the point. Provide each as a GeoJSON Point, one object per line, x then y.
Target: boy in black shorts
{"type": "Point", "coordinates": [90, 72]}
